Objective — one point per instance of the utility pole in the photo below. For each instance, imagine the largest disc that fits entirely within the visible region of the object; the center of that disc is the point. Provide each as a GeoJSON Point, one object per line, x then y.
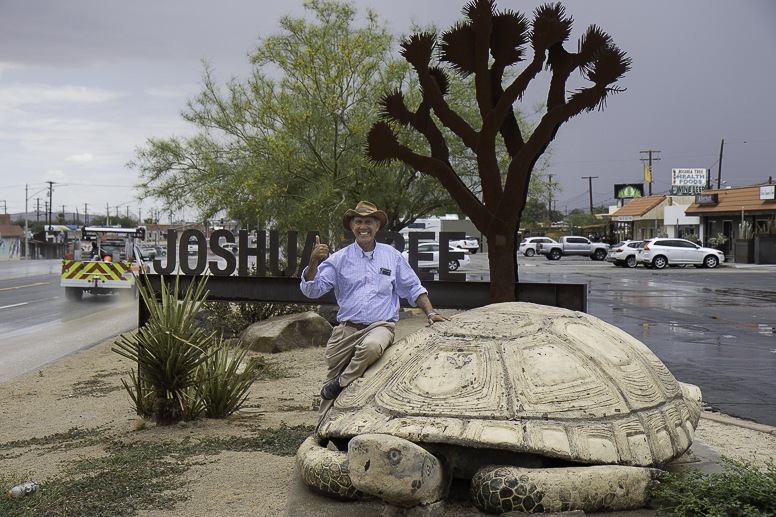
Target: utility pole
{"type": "Point", "coordinates": [86, 213]}
{"type": "Point", "coordinates": [50, 208]}
{"type": "Point", "coordinates": [107, 215]}
{"type": "Point", "coordinates": [590, 189]}
{"type": "Point", "coordinates": [719, 169]}
{"type": "Point", "coordinates": [37, 210]}
{"type": "Point", "coordinates": [5, 206]}
{"type": "Point", "coordinates": [549, 205]}
{"type": "Point", "coordinates": [650, 165]}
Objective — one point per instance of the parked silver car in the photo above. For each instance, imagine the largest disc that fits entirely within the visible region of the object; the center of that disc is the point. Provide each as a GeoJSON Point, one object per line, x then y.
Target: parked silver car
{"type": "Point", "coordinates": [623, 253]}
{"type": "Point", "coordinates": [528, 246]}
{"type": "Point", "coordinates": [661, 252]}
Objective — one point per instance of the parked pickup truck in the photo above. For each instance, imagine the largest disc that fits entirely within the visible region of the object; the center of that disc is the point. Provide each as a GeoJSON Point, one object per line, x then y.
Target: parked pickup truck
{"type": "Point", "coordinates": [469, 244]}
{"type": "Point", "coordinates": [573, 245]}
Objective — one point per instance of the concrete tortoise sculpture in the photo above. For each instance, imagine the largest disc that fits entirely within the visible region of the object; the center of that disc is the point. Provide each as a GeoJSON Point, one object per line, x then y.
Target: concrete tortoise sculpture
{"type": "Point", "coordinates": [543, 409]}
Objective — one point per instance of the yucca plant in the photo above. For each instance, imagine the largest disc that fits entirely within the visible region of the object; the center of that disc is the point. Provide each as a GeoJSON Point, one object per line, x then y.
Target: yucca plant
{"type": "Point", "coordinates": [169, 351]}
{"type": "Point", "coordinates": [142, 395]}
{"type": "Point", "coordinates": [222, 387]}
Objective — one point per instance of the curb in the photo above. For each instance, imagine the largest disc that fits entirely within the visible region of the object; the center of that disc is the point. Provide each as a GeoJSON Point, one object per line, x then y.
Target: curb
{"type": "Point", "coordinates": [729, 420]}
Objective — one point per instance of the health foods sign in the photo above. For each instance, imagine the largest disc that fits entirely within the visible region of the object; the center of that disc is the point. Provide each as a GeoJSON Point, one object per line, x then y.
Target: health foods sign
{"type": "Point", "coordinates": [688, 182]}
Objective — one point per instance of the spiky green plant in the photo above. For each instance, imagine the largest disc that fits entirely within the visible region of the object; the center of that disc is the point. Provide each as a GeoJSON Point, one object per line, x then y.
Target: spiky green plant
{"type": "Point", "coordinates": [223, 388]}
{"type": "Point", "coordinates": [169, 350]}
{"type": "Point", "coordinates": [745, 230]}
{"type": "Point", "coordinates": [142, 395]}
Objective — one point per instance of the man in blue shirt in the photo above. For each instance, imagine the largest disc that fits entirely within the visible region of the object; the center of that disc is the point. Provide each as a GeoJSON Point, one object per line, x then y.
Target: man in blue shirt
{"type": "Point", "coordinates": [368, 279]}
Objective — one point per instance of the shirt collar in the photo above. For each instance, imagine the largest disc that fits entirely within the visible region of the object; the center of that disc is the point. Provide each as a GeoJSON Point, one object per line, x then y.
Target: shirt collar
{"type": "Point", "coordinates": [361, 253]}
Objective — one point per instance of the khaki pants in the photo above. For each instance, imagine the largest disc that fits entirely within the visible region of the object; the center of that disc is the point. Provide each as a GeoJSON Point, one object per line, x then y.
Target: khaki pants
{"type": "Point", "coordinates": [349, 352]}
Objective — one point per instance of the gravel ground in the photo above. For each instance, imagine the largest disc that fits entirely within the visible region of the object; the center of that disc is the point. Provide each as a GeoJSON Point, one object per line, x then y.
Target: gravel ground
{"type": "Point", "coordinates": [233, 484]}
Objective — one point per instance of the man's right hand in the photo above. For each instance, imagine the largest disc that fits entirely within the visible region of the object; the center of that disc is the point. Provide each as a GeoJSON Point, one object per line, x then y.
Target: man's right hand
{"type": "Point", "coordinates": [319, 254]}
{"type": "Point", "coordinates": [320, 251]}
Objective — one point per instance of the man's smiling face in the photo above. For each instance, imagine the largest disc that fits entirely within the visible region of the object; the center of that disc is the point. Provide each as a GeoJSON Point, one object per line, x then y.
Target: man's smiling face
{"type": "Point", "coordinates": [365, 229]}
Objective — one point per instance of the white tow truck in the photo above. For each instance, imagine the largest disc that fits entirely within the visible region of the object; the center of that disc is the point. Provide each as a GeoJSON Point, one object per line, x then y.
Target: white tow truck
{"type": "Point", "coordinates": [103, 261]}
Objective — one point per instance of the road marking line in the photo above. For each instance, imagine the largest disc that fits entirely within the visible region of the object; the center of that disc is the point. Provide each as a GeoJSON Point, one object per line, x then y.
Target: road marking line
{"type": "Point", "coordinates": [14, 305]}
{"type": "Point", "coordinates": [21, 286]}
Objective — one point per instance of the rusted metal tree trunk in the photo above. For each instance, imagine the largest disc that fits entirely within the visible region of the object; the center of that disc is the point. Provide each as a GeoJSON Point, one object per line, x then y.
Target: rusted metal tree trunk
{"type": "Point", "coordinates": [485, 46]}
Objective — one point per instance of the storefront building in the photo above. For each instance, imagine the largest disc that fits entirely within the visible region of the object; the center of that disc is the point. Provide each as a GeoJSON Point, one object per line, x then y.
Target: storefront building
{"type": "Point", "coordinates": [723, 211]}
{"type": "Point", "coordinates": [11, 238]}
{"type": "Point", "coordinates": [648, 217]}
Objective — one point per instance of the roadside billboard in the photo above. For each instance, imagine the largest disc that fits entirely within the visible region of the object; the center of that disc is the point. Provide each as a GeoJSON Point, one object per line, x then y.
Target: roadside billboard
{"type": "Point", "coordinates": [628, 190]}
{"type": "Point", "coordinates": [688, 182]}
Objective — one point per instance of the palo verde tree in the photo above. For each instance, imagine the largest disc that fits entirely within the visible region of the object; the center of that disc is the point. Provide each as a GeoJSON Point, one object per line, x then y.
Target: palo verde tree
{"type": "Point", "coordinates": [485, 45]}
{"type": "Point", "coordinates": [284, 147]}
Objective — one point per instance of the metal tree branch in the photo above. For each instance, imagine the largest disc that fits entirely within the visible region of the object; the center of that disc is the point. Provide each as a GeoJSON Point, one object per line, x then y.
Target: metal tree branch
{"type": "Point", "coordinates": [486, 45]}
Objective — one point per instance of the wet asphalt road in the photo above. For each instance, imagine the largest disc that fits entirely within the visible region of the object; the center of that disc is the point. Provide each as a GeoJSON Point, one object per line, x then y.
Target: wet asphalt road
{"type": "Point", "coordinates": [713, 328]}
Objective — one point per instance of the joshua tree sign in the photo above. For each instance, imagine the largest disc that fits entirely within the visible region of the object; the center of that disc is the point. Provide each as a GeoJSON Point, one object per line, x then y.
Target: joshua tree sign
{"type": "Point", "coordinates": [486, 45]}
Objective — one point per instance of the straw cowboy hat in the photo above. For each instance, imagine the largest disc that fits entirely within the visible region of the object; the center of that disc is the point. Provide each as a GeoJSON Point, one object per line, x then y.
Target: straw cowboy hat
{"type": "Point", "coordinates": [363, 209]}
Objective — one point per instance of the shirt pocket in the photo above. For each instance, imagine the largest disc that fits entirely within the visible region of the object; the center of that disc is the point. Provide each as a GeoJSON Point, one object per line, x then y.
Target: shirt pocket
{"type": "Point", "coordinates": [384, 283]}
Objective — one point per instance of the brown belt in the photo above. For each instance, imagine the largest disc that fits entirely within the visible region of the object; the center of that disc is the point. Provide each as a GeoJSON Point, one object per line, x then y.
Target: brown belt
{"type": "Point", "coordinates": [357, 326]}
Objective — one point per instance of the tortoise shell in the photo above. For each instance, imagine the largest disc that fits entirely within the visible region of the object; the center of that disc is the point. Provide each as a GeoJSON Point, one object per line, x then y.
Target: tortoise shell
{"type": "Point", "coordinates": [524, 378]}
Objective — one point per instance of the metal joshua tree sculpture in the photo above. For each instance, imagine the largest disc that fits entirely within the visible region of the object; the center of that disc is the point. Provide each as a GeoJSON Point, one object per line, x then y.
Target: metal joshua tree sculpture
{"type": "Point", "coordinates": [486, 45]}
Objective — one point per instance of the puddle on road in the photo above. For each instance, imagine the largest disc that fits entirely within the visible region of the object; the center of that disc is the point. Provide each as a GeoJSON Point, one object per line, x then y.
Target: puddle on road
{"type": "Point", "coordinates": [692, 332]}
{"type": "Point", "coordinates": [756, 296]}
{"type": "Point", "coordinates": [675, 328]}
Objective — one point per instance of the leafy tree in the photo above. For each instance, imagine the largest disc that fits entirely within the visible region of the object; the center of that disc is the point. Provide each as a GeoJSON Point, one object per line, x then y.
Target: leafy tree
{"type": "Point", "coordinates": [284, 148]}
{"type": "Point", "coordinates": [100, 220]}
{"type": "Point", "coordinates": [32, 225]}
{"type": "Point", "coordinates": [535, 212]}
{"type": "Point", "coordinates": [579, 217]}
{"type": "Point", "coordinates": [485, 46]}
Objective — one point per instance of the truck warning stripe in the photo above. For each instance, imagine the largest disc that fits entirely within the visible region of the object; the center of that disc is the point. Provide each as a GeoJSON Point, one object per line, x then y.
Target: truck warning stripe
{"type": "Point", "coordinates": [73, 269]}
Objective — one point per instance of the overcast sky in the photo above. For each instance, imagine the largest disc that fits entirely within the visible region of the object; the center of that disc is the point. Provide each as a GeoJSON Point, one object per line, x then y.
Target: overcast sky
{"type": "Point", "coordinates": [83, 83]}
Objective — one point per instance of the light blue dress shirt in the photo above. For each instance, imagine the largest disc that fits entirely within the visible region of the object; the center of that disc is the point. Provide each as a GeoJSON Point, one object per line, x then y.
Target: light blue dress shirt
{"type": "Point", "coordinates": [367, 289]}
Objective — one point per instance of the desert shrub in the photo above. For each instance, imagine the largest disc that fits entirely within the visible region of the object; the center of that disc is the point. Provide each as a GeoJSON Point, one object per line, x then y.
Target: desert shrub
{"type": "Point", "coordinates": [717, 241]}
{"type": "Point", "coordinates": [236, 317]}
{"type": "Point", "coordinates": [741, 490]}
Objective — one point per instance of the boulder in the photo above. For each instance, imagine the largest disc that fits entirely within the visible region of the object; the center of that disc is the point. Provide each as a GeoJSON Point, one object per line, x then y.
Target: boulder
{"type": "Point", "coordinates": [329, 313]}
{"type": "Point", "coordinates": [302, 330]}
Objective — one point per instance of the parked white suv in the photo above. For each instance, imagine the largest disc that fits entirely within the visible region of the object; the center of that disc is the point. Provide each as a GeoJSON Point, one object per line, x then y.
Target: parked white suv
{"type": "Point", "coordinates": [623, 254]}
{"type": "Point", "coordinates": [528, 246]}
{"type": "Point", "coordinates": [662, 252]}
